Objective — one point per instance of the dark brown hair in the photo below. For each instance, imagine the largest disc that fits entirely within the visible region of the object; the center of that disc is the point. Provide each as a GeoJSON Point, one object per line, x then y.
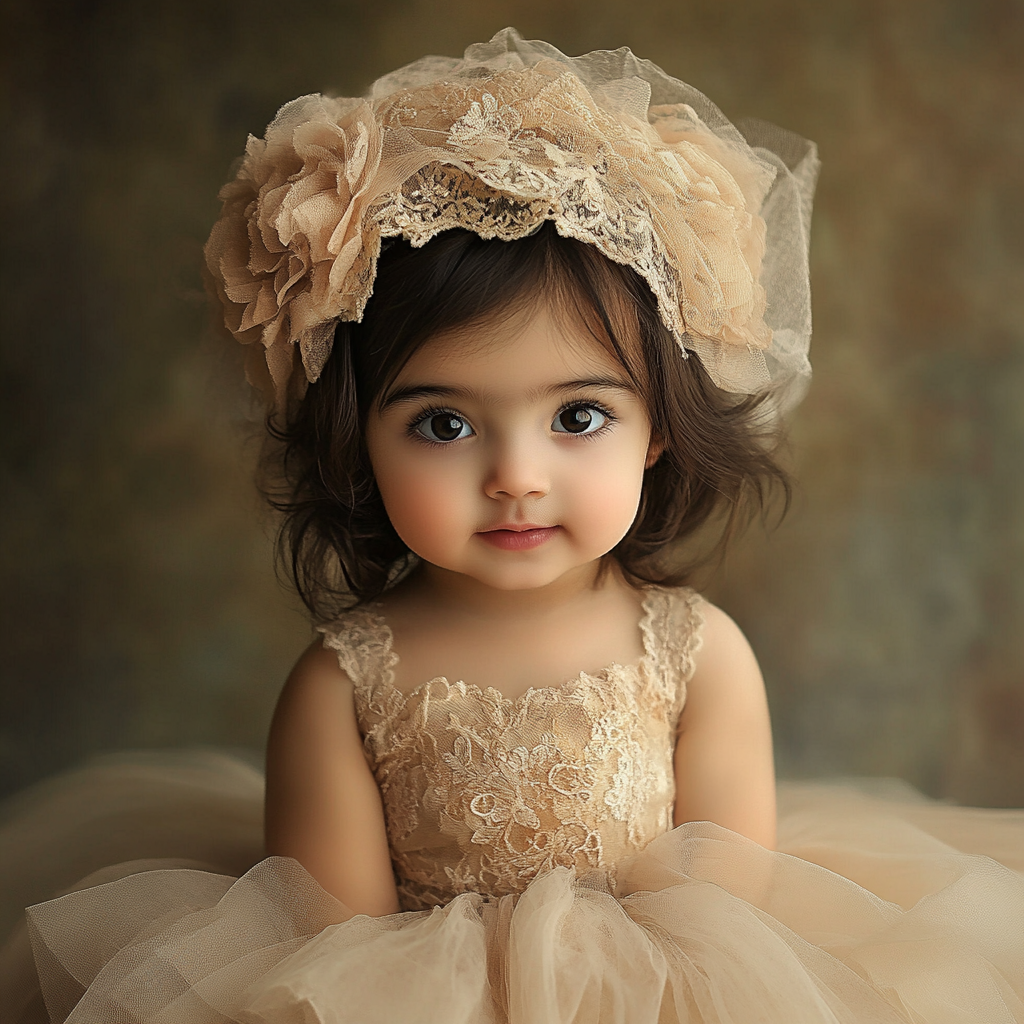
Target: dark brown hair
{"type": "Point", "coordinates": [336, 540]}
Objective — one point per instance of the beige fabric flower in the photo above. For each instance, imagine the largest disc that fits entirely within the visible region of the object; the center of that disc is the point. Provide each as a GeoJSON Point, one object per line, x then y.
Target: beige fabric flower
{"type": "Point", "coordinates": [514, 135]}
{"type": "Point", "coordinates": [291, 254]}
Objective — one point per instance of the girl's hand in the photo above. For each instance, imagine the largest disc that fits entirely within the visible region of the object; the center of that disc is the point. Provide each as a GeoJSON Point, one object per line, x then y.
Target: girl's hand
{"type": "Point", "coordinates": [323, 806]}
{"type": "Point", "coordinates": [723, 762]}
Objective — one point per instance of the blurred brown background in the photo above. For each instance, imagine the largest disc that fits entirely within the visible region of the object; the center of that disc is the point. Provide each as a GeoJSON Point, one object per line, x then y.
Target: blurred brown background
{"type": "Point", "coordinates": [139, 606]}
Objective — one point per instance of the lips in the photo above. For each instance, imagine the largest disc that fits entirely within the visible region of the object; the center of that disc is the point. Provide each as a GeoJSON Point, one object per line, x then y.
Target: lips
{"type": "Point", "coordinates": [517, 527]}
{"type": "Point", "coordinates": [518, 536]}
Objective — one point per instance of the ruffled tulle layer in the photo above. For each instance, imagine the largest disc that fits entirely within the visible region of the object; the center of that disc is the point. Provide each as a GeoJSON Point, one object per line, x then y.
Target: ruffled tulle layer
{"type": "Point", "coordinates": [881, 907]}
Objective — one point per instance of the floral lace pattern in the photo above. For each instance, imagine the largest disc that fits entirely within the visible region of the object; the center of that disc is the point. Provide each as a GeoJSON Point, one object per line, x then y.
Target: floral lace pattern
{"type": "Point", "coordinates": [482, 792]}
{"type": "Point", "coordinates": [611, 149]}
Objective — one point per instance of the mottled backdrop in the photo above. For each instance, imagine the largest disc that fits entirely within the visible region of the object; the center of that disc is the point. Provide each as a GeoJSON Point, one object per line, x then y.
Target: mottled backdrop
{"type": "Point", "coordinates": [139, 605]}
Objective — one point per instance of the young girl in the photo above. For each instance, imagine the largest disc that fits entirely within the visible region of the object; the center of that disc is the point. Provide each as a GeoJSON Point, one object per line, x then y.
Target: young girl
{"type": "Point", "coordinates": [525, 324]}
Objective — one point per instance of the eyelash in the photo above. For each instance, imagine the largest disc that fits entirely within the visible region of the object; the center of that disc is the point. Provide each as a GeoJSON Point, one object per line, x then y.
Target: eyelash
{"type": "Point", "coordinates": [609, 418]}
{"type": "Point", "coordinates": [444, 410]}
{"type": "Point", "coordinates": [426, 414]}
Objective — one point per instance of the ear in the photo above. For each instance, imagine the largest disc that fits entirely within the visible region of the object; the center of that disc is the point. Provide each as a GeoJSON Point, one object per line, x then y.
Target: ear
{"type": "Point", "coordinates": [654, 449]}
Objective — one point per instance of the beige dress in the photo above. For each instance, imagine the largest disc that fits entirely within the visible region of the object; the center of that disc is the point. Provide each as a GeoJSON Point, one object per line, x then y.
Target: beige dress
{"type": "Point", "coordinates": [541, 880]}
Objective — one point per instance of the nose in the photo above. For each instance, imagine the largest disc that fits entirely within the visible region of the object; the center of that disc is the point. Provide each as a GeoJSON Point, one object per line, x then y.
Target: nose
{"type": "Point", "coordinates": [517, 470]}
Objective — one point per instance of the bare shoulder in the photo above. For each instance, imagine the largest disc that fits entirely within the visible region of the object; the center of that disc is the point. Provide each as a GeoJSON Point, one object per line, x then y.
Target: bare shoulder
{"type": "Point", "coordinates": [314, 720]}
{"type": "Point", "coordinates": [723, 761]}
{"type": "Point", "coordinates": [725, 667]}
{"type": "Point", "coordinates": [316, 680]}
{"type": "Point", "coordinates": [322, 803]}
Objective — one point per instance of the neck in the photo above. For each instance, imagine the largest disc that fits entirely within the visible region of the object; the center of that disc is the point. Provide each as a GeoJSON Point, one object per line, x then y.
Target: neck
{"type": "Point", "coordinates": [472, 599]}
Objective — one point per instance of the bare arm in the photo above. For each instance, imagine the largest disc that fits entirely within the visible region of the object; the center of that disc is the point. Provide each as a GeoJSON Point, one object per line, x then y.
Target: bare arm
{"type": "Point", "coordinates": [723, 762]}
{"type": "Point", "coordinates": [323, 806]}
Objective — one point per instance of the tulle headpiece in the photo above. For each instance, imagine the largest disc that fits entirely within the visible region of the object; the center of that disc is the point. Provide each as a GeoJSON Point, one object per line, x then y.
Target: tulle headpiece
{"type": "Point", "coordinates": [607, 146]}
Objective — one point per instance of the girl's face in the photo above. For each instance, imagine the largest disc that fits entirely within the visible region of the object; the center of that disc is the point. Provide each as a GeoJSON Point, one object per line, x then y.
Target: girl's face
{"type": "Point", "coordinates": [512, 453]}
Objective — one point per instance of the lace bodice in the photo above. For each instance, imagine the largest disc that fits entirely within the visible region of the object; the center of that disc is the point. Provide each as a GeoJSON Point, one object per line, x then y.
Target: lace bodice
{"type": "Point", "coordinates": [482, 792]}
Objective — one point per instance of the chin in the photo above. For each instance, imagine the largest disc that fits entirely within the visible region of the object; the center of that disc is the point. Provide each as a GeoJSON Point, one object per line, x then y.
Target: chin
{"type": "Point", "coordinates": [526, 577]}
{"type": "Point", "coordinates": [515, 581]}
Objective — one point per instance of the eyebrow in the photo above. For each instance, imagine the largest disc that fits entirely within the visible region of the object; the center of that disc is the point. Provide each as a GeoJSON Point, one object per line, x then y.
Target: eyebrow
{"type": "Point", "coordinates": [417, 392]}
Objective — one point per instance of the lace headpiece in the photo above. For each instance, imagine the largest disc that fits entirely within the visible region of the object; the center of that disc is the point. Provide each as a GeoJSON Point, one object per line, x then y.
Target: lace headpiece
{"type": "Point", "coordinates": [614, 151]}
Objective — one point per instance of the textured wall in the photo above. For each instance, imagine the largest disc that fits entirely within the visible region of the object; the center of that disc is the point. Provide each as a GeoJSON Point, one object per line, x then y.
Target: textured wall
{"type": "Point", "coordinates": [138, 602]}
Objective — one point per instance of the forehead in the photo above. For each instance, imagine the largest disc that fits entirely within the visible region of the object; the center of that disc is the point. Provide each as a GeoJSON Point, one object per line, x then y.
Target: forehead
{"type": "Point", "coordinates": [517, 351]}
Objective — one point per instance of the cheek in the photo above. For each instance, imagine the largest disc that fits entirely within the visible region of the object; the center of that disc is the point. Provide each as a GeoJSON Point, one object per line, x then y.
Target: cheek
{"type": "Point", "coordinates": [424, 501]}
{"type": "Point", "coordinates": [606, 494]}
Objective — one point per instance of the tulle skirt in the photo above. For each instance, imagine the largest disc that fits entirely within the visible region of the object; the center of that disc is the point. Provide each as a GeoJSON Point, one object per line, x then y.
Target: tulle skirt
{"type": "Point", "coordinates": [879, 906]}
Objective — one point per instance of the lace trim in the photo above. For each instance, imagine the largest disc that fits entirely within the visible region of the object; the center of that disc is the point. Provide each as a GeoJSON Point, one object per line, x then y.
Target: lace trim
{"type": "Point", "coordinates": [677, 636]}
{"type": "Point", "coordinates": [671, 626]}
{"type": "Point", "coordinates": [363, 643]}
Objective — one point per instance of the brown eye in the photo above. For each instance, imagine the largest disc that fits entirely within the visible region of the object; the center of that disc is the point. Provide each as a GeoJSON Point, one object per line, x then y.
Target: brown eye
{"type": "Point", "coordinates": [579, 419]}
{"type": "Point", "coordinates": [443, 427]}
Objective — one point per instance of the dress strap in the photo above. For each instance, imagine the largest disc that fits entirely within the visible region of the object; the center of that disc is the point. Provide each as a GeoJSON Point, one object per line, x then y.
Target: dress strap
{"type": "Point", "coordinates": [362, 641]}
{"type": "Point", "coordinates": [673, 634]}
